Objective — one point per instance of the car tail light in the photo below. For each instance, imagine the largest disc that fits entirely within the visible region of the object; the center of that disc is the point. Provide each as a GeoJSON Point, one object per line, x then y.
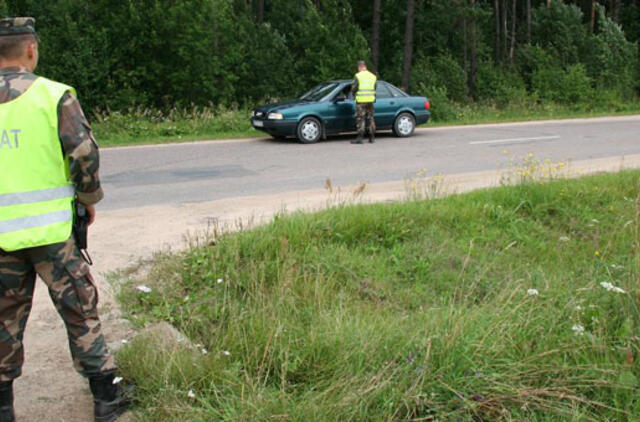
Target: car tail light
{"type": "Point", "coordinates": [427, 105]}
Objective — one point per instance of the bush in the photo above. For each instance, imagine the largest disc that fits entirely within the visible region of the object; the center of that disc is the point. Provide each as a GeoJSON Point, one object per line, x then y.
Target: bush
{"type": "Point", "coordinates": [503, 85]}
{"type": "Point", "coordinates": [441, 71]}
{"type": "Point", "coordinates": [611, 59]}
{"type": "Point", "coordinates": [442, 107]}
{"type": "Point", "coordinates": [559, 29]}
{"type": "Point", "coordinates": [555, 84]}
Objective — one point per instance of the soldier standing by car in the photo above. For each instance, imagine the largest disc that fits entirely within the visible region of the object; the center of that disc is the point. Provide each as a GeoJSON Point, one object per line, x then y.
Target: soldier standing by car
{"type": "Point", "coordinates": [364, 87]}
{"type": "Point", "coordinates": [49, 161]}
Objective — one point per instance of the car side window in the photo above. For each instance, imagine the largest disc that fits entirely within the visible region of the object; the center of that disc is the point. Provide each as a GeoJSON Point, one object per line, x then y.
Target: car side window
{"type": "Point", "coordinates": [346, 91]}
{"type": "Point", "coordinates": [396, 92]}
{"type": "Point", "coordinates": [382, 91]}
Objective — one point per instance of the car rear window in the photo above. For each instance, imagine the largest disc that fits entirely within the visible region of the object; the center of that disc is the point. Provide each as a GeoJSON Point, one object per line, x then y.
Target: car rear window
{"type": "Point", "coordinates": [397, 92]}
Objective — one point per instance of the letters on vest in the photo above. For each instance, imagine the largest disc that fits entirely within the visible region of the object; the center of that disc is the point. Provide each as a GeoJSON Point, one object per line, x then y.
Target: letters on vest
{"type": "Point", "coordinates": [10, 138]}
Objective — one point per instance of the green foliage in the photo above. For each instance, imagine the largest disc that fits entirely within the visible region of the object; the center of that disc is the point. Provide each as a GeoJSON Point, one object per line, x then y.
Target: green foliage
{"type": "Point", "coordinates": [611, 59]}
{"type": "Point", "coordinates": [167, 54]}
{"type": "Point", "coordinates": [441, 72]}
{"type": "Point", "coordinates": [502, 84]}
{"type": "Point", "coordinates": [560, 30]}
{"type": "Point", "coordinates": [569, 87]}
{"type": "Point", "coordinates": [406, 311]}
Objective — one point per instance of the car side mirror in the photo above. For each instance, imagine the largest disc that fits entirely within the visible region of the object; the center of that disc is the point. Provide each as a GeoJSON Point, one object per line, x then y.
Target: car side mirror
{"type": "Point", "coordinates": [339, 99]}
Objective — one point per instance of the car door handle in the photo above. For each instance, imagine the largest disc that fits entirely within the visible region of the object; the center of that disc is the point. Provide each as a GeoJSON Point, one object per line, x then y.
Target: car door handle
{"type": "Point", "coordinates": [392, 102]}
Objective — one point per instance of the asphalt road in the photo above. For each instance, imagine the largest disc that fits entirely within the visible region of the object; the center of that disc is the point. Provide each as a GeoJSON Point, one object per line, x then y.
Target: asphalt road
{"type": "Point", "coordinates": [205, 171]}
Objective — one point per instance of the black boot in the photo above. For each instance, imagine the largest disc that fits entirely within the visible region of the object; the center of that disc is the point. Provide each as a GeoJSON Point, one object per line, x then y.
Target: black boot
{"type": "Point", "coordinates": [109, 399]}
{"type": "Point", "coordinates": [6, 402]}
{"type": "Point", "coordinates": [372, 138]}
{"type": "Point", "coordinates": [358, 140]}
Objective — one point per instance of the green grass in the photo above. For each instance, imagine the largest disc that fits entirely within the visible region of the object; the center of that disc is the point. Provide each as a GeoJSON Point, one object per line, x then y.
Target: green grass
{"type": "Point", "coordinates": [143, 126]}
{"type": "Point", "coordinates": [407, 311]}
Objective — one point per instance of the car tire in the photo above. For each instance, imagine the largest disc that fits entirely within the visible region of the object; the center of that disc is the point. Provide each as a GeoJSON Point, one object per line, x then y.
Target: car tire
{"type": "Point", "coordinates": [404, 125]}
{"type": "Point", "coordinates": [309, 130]}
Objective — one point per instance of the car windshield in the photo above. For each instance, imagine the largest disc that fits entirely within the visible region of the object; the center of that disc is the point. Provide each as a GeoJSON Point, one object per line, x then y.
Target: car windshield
{"type": "Point", "coordinates": [319, 92]}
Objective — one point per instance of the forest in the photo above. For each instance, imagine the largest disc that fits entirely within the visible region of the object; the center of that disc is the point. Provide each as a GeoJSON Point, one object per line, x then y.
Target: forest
{"type": "Point", "coordinates": [165, 54]}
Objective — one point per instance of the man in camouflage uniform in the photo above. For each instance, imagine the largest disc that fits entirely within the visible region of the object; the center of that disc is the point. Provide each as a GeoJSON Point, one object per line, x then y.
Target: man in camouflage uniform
{"type": "Point", "coordinates": [60, 265]}
{"type": "Point", "coordinates": [364, 87]}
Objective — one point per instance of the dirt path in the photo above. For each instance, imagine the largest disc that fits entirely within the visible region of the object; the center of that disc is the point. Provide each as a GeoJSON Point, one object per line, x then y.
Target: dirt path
{"type": "Point", "coordinates": [49, 388]}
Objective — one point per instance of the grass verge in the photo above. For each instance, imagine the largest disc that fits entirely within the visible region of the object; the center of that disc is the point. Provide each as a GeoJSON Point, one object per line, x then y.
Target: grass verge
{"type": "Point", "coordinates": [515, 303]}
{"type": "Point", "coordinates": [143, 126]}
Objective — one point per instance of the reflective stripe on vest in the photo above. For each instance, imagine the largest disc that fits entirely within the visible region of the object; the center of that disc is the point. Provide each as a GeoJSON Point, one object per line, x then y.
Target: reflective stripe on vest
{"type": "Point", "coordinates": [36, 196]}
{"type": "Point", "coordinates": [23, 223]}
{"type": "Point", "coordinates": [366, 87]}
{"type": "Point", "coordinates": [36, 193]}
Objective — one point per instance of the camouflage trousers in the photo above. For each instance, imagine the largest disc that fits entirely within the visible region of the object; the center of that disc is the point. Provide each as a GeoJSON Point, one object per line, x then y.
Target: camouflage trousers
{"type": "Point", "coordinates": [365, 111]}
{"type": "Point", "coordinates": [74, 295]}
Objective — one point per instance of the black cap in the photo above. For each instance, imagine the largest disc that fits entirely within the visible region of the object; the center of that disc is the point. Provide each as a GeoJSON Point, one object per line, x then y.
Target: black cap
{"type": "Point", "coordinates": [17, 26]}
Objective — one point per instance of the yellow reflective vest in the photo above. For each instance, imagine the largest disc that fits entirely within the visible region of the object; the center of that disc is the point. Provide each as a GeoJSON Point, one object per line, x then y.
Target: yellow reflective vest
{"type": "Point", "coordinates": [366, 87]}
{"type": "Point", "coordinates": [36, 193]}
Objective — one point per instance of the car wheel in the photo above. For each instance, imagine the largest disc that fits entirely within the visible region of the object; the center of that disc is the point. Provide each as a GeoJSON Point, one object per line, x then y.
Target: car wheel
{"type": "Point", "coordinates": [309, 130]}
{"type": "Point", "coordinates": [404, 125]}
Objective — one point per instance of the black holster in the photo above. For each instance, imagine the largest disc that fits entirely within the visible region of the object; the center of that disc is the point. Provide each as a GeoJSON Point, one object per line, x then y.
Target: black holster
{"type": "Point", "coordinates": [80, 230]}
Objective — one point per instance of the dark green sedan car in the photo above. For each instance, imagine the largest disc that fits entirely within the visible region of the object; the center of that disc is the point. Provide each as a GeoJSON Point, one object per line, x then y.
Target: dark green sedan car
{"type": "Point", "coordinates": [329, 109]}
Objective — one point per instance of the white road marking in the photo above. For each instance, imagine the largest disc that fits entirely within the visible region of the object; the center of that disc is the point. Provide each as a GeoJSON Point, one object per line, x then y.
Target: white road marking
{"type": "Point", "coordinates": [505, 141]}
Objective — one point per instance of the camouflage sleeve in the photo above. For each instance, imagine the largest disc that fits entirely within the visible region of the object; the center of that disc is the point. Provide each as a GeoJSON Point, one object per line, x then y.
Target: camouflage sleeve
{"type": "Point", "coordinates": [79, 145]}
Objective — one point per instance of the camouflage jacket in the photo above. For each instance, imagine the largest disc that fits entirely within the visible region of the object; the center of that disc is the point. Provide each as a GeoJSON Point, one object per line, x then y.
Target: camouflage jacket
{"type": "Point", "coordinates": [74, 132]}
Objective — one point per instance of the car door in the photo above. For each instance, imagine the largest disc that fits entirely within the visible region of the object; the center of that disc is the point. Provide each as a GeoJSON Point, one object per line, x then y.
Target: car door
{"type": "Point", "coordinates": [386, 106]}
{"type": "Point", "coordinates": [344, 110]}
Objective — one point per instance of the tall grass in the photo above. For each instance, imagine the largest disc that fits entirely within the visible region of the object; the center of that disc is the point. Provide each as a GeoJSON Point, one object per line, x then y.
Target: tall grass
{"type": "Point", "coordinates": [484, 306]}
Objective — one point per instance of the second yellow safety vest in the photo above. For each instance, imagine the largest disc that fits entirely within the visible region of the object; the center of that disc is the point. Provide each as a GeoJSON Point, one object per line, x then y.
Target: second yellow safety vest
{"type": "Point", "coordinates": [36, 193]}
{"type": "Point", "coordinates": [366, 87]}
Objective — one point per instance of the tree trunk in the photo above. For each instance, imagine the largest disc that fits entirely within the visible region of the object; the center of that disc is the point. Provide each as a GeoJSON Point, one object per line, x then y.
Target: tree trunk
{"type": "Point", "coordinates": [529, 21]}
{"type": "Point", "coordinates": [317, 4]}
{"type": "Point", "coordinates": [260, 12]}
{"type": "Point", "coordinates": [375, 34]}
{"type": "Point", "coordinates": [473, 45]}
{"type": "Point", "coordinates": [505, 31]}
{"type": "Point", "coordinates": [615, 11]}
{"type": "Point", "coordinates": [514, 17]}
{"type": "Point", "coordinates": [408, 44]}
{"type": "Point", "coordinates": [593, 15]}
{"type": "Point", "coordinates": [496, 14]}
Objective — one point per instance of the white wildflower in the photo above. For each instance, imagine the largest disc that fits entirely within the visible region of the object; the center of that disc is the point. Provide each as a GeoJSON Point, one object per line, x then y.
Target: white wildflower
{"type": "Point", "coordinates": [125, 341]}
{"type": "Point", "coordinates": [191, 394]}
{"type": "Point", "coordinates": [532, 292]}
{"type": "Point", "coordinates": [611, 288]}
{"type": "Point", "coordinates": [204, 351]}
{"type": "Point", "coordinates": [186, 298]}
{"type": "Point", "coordinates": [226, 353]}
{"type": "Point", "coordinates": [595, 221]}
{"type": "Point", "coordinates": [220, 281]}
{"type": "Point", "coordinates": [116, 380]}
{"type": "Point", "coordinates": [578, 329]}
{"type": "Point", "coordinates": [579, 308]}
{"type": "Point", "coordinates": [144, 289]}
{"type": "Point", "coordinates": [617, 267]}
{"type": "Point", "coordinates": [564, 239]}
